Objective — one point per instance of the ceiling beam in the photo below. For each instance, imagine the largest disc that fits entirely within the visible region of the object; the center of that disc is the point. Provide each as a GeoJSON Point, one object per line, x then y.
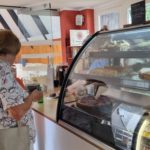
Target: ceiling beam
{"type": "Point", "coordinates": [40, 25]}
{"type": "Point", "coordinates": [4, 23]}
{"type": "Point", "coordinates": [19, 24]}
{"type": "Point", "coordinates": [11, 7]}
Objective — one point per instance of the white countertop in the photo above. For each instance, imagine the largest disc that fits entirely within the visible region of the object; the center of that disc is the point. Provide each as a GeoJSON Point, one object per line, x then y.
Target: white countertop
{"type": "Point", "coordinates": [51, 136]}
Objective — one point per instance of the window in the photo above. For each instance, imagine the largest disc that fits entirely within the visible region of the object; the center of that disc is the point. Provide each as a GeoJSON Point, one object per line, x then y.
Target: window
{"type": "Point", "coordinates": [111, 20]}
{"type": "Point", "coordinates": [31, 28]}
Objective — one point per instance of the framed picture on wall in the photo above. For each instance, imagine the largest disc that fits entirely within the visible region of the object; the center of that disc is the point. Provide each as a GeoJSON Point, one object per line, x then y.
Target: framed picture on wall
{"type": "Point", "coordinates": [77, 37]}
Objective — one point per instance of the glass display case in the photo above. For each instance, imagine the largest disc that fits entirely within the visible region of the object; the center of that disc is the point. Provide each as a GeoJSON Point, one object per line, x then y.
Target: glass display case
{"type": "Point", "coordinates": [106, 92]}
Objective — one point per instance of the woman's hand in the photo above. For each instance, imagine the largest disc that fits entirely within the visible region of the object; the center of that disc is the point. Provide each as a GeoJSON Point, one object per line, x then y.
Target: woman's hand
{"type": "Point", "coordinates": [17, 112]}
{"type": "Point", "coordinates": [36, 95]}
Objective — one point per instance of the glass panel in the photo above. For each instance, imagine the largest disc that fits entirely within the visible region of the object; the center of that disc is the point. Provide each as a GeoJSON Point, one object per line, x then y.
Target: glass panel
{"type": "Point", "coordinates": [108, 90]}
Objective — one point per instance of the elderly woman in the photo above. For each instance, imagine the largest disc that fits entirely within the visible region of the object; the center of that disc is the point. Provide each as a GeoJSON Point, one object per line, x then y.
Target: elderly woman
{"type": "Point", "coordinates": [15, 103]}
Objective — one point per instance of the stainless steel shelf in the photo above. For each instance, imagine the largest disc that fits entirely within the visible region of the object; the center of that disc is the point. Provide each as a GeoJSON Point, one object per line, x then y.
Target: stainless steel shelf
{"type": "Point", "coordinates": [129, 98]}
{"type": "Point", "coordinates": [120, 54]}
{"type": "Point", "coordinates": [116, 81]}
{"type": "Point", "coordinates": [108, 80]}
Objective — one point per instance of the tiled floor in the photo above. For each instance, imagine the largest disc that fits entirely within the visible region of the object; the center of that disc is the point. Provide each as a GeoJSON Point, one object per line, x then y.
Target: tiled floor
{"type": "Point", "coordinates": [51, 136]}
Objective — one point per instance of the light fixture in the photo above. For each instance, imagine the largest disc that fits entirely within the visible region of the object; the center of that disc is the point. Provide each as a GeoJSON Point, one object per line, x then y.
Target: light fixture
{"type": "Point", "coordinates": [42, 9]}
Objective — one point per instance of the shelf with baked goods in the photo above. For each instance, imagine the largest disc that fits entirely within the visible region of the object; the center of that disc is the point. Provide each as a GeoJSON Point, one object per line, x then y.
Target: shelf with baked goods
{"type": "Point", "coordinates": [134, 92]}
{"type": "Point", "coordinates": [95, 112]}
{"type": "Point", "coordinates": [133, 35]}
{"type": "Point", "coordinates": [120, 54]}
{"type": "Point", "coordinates": [125, 96]}
{"type": "Point", "coordinates": [118, 82]}
{"type": "Point", "coordinates": [113, 80]}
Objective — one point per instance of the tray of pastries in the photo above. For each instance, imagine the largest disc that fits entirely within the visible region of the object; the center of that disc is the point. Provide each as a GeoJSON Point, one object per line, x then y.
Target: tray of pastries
{"type": "Point", "coordinates": [110, 71]}
{"type": "Point", "coordinates": [145, 74]}
{"type": "Point", "coordinates": [102, 106]}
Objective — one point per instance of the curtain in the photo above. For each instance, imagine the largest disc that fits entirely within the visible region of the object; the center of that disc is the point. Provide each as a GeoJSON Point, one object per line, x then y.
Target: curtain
{"type": "Point", "coordinates": [111, 20]}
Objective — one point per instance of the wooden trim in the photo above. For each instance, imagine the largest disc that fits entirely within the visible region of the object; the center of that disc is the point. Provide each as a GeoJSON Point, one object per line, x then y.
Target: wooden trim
{"type": "Point", "coordinates": [55, 50]}
{"type": "Point", "coordinates": [59, 39]}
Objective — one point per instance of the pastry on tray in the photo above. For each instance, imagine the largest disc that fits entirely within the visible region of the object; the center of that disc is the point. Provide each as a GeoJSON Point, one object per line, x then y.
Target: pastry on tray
{"type": "Point", "coordinates": [102, 106]}
{"type": "Point", "coordinates": [109, 71]}
{"type": "Point", "coordinates": [145, 73]}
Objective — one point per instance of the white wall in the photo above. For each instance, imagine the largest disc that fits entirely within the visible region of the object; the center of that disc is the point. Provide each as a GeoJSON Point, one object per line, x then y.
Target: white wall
{"type": "Point", "coordinates": [118, 6]}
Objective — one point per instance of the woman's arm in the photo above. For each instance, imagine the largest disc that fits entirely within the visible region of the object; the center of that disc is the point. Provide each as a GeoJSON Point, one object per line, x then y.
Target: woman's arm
{"type": "Point", "coordinates": [17, 112]}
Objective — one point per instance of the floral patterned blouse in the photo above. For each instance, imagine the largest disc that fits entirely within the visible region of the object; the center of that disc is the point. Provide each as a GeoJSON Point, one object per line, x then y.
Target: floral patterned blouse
{"type": "Point", "coordinates": [11, 94]}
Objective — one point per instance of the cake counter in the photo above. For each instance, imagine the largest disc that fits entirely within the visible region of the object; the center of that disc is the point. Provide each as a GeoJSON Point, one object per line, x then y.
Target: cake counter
{"type": "Point", "coordinates": [48, 108]}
